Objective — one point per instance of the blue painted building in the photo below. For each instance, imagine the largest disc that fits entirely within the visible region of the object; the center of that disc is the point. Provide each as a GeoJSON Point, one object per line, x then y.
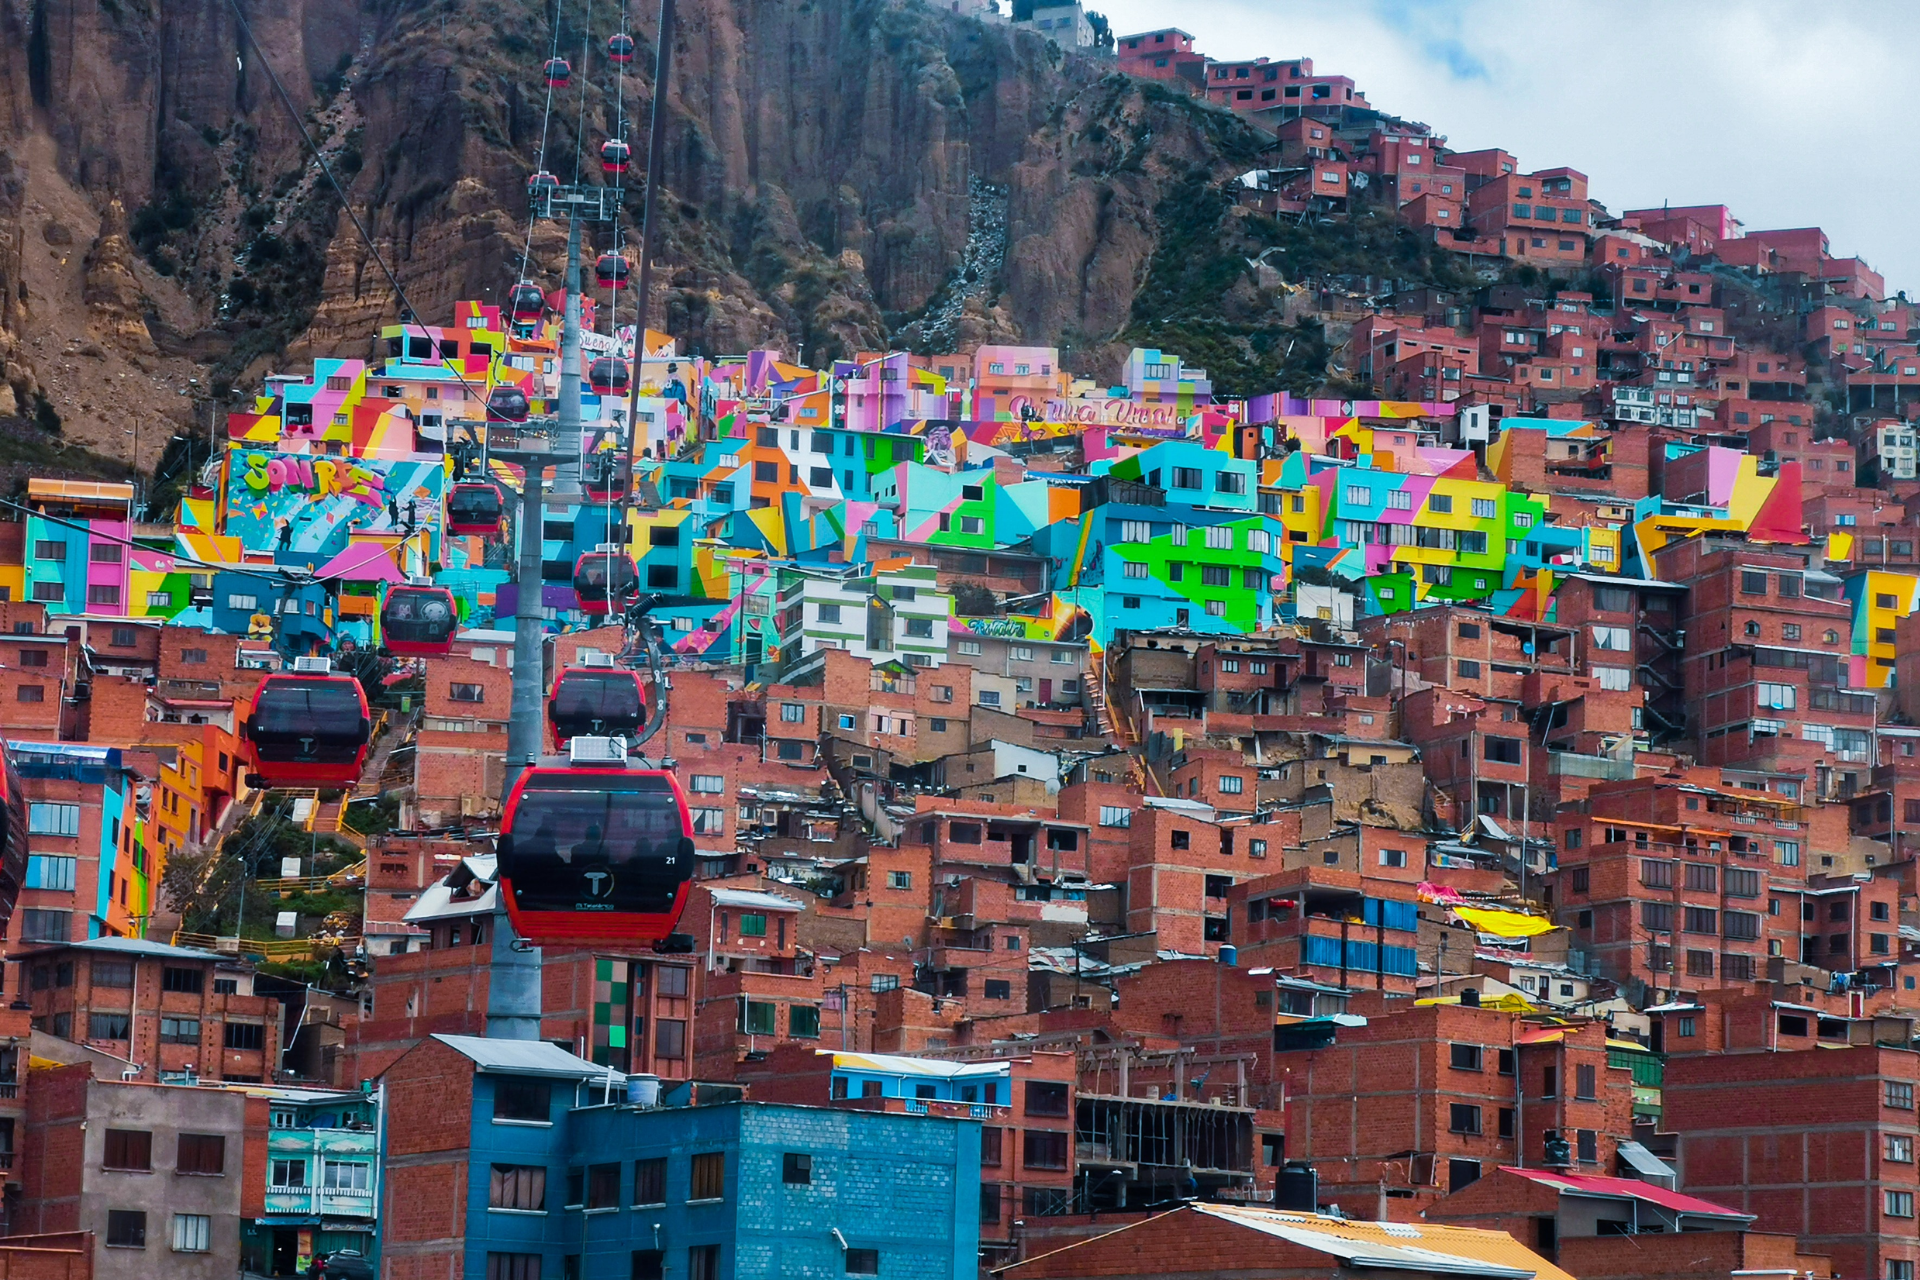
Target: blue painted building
{"type": "Point", "coordinates": [562, 1177]}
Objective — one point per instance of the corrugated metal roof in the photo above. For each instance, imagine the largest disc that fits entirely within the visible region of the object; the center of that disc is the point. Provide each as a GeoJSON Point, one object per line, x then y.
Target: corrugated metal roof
{"type": "Point", "coordinates": [1400, 1246]}
{"type": "Point", "coordinates": [1628, 1188]}
{"type": "Point", "coordinates": [436, 903]}
{"type": "Point", "coordinates": [893, 1064]}
{"type": "Point", "coordinates": [524, 1057]}
{"type": "Point", "coordinates": [753, 898]}
{"type": "Point", "coordinates": [139, 947]}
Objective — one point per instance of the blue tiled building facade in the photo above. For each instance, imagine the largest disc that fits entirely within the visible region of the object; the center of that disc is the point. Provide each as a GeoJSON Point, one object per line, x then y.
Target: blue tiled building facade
{"type": "Point", "coordinates": [562, 1184]}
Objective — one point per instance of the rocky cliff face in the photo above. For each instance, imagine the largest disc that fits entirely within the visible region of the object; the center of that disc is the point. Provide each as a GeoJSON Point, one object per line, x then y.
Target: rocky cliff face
{"type": "Point", "coordinates": [841, 174]}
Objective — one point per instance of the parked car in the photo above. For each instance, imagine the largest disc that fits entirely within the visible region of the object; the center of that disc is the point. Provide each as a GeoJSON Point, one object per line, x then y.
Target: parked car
{"type": "Point", "coordinates": [342, 1264]}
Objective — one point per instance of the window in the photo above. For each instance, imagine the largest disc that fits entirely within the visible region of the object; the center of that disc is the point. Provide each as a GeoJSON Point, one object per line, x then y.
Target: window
{"type": "Point", "coordinates": [796, 1168]}
{"type": "Point", "coordinates": [709, 783]}
{"type": "Point", "coordinates": [1045, 1149]}
{"type": "Point", "coordinates": [1784, 697]}
{"type": "Point", "coordinates": [863, 1262]}
{"type": "Point", "coordinates": [293, 1173]}
{"type": "Point", "coordinates": [1899, 1269]}
{"type": "Point", "coordinates": [1657, 917]}
{"type": "Point", "coordinates": [179, 1030]}
{"type": "Point", "coordinates": [1583, 1082]}
{"type": "Point", "coordinates": [1899, 1095]}
{"type": "Point", "coordinates": [133, 1149]}
{"type": "Point", "coordinates": [347, 1175]}
{"type": "Point", "coordinates": [603, 1186]}
{"type": "Point", "coordinates": [1046, 1098]}
{"type": "Point", "coordinates": [709, 1176]}
{"type": "Point", "coordinates": [1742, 883]}
{"type": "Point", "coordinates": [999, 989]}
{"type": "Point", "coordinates": [1463, 1118]}
{"type": "Point", "coordinates": [1899, 1204]}
{"type": "Point", "coordinates": [757, 1017]}
{"type": "Point", "coordinates": [51, 871]}
{"type": "Point", "coordinates": [103, 594]}
{"type": "Point", "coordinates": [650, 1181]}
{"type": "Point", "coordinates": [245, 1035]}
{"type": "Point", "coordinates": [467, 692]}
{"type": "Point", "coordinates": [513, 1266]}
{"type": "Point", "coordinates": [1753, 583]}
{"type": "Point", "coordinates": [517, 1098]}
{"type": "Point", "coordinates": [1464, 1057]}
{"type": "Point", "coordinates": [126, 1229]}
{"type": "Point", "coordinates": [53, 819]}
{"type": "Point", "coordinates": [649, 1264]}
{"type": "Point", "coordinates": [1549, 1082]}
{"type": "Point", "coordinates": [1113, 815]}
{"type": "Point", "coordinates": [1232, 784]}
{"type": "Point", "coordinates": [1393, 857]}
{"type": "Point", "coordinates": [39, 925]}
{"type": "Point", "coordinates": [107, 1026]}
{"type": "Point", "coordinates": [1656, 874]}
{"type": "Point", "coordinates": [1587, 1146]}
{"type": "Point", "coordinates": [521, 1187]}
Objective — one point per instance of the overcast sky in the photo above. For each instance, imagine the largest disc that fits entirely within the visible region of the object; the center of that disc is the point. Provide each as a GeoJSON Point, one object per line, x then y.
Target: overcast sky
{"type": "Point", "coordinates": [1789, 113]}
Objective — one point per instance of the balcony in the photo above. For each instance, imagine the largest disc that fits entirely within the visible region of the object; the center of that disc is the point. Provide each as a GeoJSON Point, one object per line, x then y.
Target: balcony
{"type": "Point", "coordinates": [953, 1110]}
{"type": "Point", "coordinates": [330, 1201]}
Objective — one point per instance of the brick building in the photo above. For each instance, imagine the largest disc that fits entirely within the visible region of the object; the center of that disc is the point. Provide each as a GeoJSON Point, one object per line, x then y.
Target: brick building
{"type": "Point", "coordinates": [1818, 1144]}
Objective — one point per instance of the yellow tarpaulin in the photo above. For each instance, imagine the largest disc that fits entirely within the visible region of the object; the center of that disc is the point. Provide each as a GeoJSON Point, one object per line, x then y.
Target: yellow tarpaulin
{"type": "Point", "coordinates": [1505, 924]}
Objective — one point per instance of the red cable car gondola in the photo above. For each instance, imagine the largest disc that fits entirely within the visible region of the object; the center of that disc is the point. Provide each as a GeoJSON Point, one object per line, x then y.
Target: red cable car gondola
{"type": "Point", "coordinates": [542, 182]}
{"type": "Point", "coordinates": [603, 481]}
{"type": "Point", "coordinates": [596, 702]}
{"type": "Point", "coordinates": [526, 301]}
{"type": "Point", "coordinates": [309, 728]}
{"type": "Point", "coordinates": [559, 73]}
{"type": "Point", "coordinates": [595, 849]}
{"type": "Point", "coordinates": [620, 47]}
{"type": "Point", "coordinates": [610, 271]}
{"type": "Point", "coordinates": [418, 621]}
{"type": "Point", "coordinates": [507, 404]}
{"type": "Point", "coordinates": [614, 155]}
{"type": "Point", "coordinates": [603, 578]}
{"type": "Point", "coordinates": [608, 376]}
{"type": "Point", "coordinates": [474, 509]}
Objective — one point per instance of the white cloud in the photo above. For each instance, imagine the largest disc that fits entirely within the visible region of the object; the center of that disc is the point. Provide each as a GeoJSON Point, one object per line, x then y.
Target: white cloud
{"type": "Point", "coordinates": [1789, 114]}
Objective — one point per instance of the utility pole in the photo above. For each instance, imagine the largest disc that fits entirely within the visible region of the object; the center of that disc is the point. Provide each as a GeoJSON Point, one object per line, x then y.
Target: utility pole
{"type": "Point", "coordinates": [513, 990]}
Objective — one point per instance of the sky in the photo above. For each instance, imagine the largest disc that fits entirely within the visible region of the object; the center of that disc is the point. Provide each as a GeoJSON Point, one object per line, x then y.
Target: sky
{"type": "Point", "coordinates": [1748, 103]}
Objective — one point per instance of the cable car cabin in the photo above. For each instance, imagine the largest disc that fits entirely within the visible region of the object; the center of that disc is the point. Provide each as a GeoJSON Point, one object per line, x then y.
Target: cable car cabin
{"type": "Point", "coordinates": [596, 702]}
{"type": "Point", "coordinates": [614, 155]}
{"type": "Point", "coordinates": [474, 509]}
{"type": "Point", "coordinates": [606, 481]}
{"type": "Point", "coordinates": [610, 270]}
{"type": "Point", "coordinates": [542, 183]}
{"type": "Point", "coordinates": [595, 850]}
{"type": "Point", "coordinates": [527, 302]}
{"type": "Point", "coordinates": [602, 579]}
{"type": "Point", "coordinates": [608, 376]}
{"type": "Point", "coordinates": [620, 47]}
{"type": "Point", "coordinates": [13, 835]}
{"type": "Point", "coordinates": [309, 729]}
{"type": "Point", "coordinates": [559, 73]}
{"type": "Point", "coordinates": [418, 621]}
{"type": "Point", "coordinates": [507, 404]}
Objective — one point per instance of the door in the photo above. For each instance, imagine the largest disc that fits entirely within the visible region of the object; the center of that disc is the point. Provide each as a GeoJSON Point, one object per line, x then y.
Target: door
{"type": "Point", "coordinates": [1046, 691]}
{"type": "Point", "coordinates": [284, 1251]}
